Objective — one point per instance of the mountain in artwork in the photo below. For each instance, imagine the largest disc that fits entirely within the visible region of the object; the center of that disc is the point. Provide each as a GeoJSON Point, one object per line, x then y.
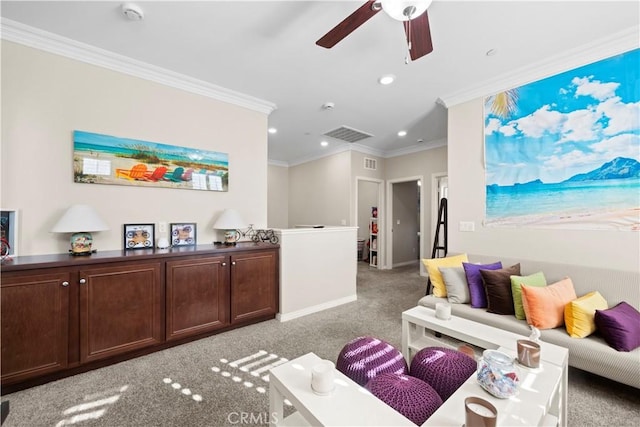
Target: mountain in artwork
{"type": "Point", "coordinates": [618, 168]}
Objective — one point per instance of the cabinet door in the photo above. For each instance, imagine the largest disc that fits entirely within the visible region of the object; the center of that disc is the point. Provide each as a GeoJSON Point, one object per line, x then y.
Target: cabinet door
{"type": "Point", "coordinates": [197, 296]}
{"type": "Point", "coordinates": [120, 309]}
{"type": "Point", "coordinates": [254, 285]}
{"type": "Point", "coordinates": [35, 325]}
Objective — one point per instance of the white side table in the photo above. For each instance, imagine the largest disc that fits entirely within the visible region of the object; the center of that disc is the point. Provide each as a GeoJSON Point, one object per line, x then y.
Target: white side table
{"type": "Point", "coordinates": [348, 405]}
{"type": "Point", "coordinates": [419, 324]}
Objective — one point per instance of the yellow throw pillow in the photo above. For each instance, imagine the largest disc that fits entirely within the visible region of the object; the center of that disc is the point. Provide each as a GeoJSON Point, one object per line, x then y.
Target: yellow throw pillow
{"type": "Point", "coordinates": [544, 307]}
{"type": "Point", "coordinates": [432, 265]}
{"type": "Point", "coordinates": [579, 314]}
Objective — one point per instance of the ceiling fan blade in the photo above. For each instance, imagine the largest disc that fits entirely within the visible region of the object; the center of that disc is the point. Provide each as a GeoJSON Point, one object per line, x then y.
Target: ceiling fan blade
{"type": "Point", "coordinates": [348, 25]}
{"type": "Point", "coordinates": [419, 36]}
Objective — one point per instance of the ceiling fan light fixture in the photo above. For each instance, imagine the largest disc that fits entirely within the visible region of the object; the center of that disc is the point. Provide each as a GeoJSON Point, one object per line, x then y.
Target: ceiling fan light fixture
{"type": "Point", "coordinates": [405, 10]}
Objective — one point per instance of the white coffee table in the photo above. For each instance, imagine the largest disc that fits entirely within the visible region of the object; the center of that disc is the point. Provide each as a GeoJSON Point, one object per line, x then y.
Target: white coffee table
{"type": "Point", "coordinates": [349, 405]}
{"type": "Point", "coordinates": [419, 325]}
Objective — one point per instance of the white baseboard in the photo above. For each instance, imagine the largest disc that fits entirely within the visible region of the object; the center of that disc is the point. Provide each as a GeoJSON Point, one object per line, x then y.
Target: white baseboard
{"type": "Point", "coordinates": [315, 308]}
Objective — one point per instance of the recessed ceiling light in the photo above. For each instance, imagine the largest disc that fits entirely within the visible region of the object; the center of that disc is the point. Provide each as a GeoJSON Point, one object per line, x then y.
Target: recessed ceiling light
{"type": "Point", "coordinates": [491, 52]}
{"type": "Point", "coordinates": [402, 133]}
{"type": "Point", "coordinates": [386, 79]}
{"type": "Point", "coordinates": [272, 130]}
{"type": "Point", "coordinates": [324, 143]}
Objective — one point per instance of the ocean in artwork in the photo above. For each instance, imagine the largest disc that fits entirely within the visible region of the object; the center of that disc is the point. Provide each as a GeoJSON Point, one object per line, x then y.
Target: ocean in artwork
{"type": "Point", "coordinates": [562, 200]}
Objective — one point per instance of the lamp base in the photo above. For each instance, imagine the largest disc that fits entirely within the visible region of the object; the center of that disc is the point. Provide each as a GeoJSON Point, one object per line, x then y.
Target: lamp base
{"type": "Point", "coordinates": [231, 237]}
{"type": "Point", "coordinates": [81, 243]}
{"type": "Point", "coordinates": [82, 253]}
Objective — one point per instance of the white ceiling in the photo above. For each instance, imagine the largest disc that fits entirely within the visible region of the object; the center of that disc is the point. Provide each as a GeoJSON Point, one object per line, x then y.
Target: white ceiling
{"type": "Point", "coordinates": [266, 49]}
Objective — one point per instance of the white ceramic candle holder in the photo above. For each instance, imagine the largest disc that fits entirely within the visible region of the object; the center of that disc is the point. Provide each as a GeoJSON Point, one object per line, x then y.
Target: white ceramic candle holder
{"type": "Point", "coordinates": [322, 378]}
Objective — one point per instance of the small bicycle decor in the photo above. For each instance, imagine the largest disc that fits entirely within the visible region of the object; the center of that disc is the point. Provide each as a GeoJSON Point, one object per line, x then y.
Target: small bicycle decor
{"type": "Point", "coordinates": [257, 235]}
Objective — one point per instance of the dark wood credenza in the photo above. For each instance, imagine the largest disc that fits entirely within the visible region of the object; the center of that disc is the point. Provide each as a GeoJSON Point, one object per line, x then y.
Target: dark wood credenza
{"type": "Point", "coordinates": [61, 315]}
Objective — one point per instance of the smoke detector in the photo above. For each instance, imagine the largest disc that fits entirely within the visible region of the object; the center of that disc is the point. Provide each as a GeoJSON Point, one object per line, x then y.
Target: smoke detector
{"type": "Point", "coordinates": [132, 12]}
{"type": "Point", "coordinates": [328, 106]}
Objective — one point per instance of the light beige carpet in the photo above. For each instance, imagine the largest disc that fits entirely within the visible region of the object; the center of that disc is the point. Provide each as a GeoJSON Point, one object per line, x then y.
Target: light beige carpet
{"type": "Point", "coordinates": [198, 384]}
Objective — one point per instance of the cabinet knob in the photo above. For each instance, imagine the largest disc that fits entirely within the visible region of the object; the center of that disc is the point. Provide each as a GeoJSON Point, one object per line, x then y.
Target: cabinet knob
{"type": "Point", "coordinates": [224, 264]}
{"type": "Point", "coordinates": [233, 263]}
{"type": "Point", "coordinates": [65, 283]}
{"type": "Point", "coordinates": [83, 281]}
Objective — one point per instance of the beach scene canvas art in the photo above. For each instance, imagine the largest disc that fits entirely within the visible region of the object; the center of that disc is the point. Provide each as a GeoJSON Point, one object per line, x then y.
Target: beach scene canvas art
{"type": "Point", "coordinates": [105, 159]}
{"type": "Point", "coordinates": [564, 152]}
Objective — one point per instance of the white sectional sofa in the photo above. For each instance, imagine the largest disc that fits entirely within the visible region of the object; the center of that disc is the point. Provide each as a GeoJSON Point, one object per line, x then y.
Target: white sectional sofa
{"type": "Point", "coordinates": [591, 354]}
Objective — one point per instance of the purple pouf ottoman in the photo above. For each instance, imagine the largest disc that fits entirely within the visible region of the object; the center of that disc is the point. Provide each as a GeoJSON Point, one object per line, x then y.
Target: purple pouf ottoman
{"type": "Point", "coordinates": [365, 357]}
{"type": "Point", "coordinates": [444, 369]}
{"type": "Point", "coordinates": [412, 397]}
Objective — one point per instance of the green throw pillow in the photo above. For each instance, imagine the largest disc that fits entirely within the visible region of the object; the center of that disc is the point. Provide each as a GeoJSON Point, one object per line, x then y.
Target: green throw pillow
{"type": "Point", "coordinates": [536, 279]}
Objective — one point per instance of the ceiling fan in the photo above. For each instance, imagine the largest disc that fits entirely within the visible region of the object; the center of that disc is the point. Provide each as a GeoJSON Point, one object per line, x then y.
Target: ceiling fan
{"type": "Point", "coordinates": [413, 13]}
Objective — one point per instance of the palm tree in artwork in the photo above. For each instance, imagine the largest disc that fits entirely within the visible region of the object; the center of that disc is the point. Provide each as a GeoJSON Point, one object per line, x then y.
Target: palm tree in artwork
{"type": "Point", "coordinates": [503, 104]}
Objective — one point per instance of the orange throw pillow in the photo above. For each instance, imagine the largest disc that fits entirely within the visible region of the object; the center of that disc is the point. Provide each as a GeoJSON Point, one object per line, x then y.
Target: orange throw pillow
{"type": "Point", "coordinates": [544, 307]}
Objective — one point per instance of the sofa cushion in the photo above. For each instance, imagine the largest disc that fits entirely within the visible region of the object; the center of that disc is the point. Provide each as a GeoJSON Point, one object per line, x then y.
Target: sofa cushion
{"type": "Point", "coordinates": [619, 326]}
{"type": "Point", "coordinates": [432, 265]}
{"type": "Point", "coordinates": [474, 280]}
{"type": "Point", "coordinates": [544, 307]}
{"type": "Point", "coordinates": [579, 314]}
{"type": "Point", "coordinates": [536, 279]}
{"type": "Point", "coordinates": [456, 283]}
{"type": "Point", "coordinates": [497, 284]}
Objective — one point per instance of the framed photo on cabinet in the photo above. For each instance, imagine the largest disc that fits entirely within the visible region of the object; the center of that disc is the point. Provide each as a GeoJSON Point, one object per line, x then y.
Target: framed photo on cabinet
{"type": "Point", "coordinates": [183, 234]}
{"type": "Point", "coordinates": [139, 236]}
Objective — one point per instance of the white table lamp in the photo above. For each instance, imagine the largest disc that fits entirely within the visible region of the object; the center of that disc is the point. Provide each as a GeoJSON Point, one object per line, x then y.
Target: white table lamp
{"type": "Point", "coordinates": [230, 221]}
{"type": "Point", "coordinates": [81, 220]}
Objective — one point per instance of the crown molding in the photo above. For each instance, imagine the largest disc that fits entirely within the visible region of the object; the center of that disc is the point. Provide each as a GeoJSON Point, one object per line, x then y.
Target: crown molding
{"type": "Point", "coordinates": [278, 163]}
{"type": "Point", "coordinates": [364, 150]}
{"type": "Point", "coordinates": [436, 143]}
{"type": "Point", "coordinates": [615, 44]}
{"type": "Point", "coordinates": [38, 39]}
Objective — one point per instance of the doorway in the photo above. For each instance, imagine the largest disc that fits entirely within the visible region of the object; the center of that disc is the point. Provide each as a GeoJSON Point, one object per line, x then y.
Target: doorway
{"type": "Point", "coordinates": [369, 195]}
{"type": "Point", "coordinates": [405, 221]}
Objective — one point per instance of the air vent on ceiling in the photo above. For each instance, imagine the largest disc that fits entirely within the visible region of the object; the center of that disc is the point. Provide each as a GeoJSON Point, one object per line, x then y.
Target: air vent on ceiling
{"type": "Point", "coordinates": [370, 163]}
{"type": "Point", "coordinates": [345, 133]}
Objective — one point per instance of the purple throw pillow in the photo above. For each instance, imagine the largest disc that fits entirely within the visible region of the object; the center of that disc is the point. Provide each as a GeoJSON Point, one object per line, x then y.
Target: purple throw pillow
{"type": "Point", "coordinates": [619, 326]}
{"type": "Point", "coordinates": [474, 279]}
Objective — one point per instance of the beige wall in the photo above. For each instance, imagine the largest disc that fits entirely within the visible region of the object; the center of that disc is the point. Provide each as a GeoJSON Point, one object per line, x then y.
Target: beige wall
{"type": "Point", "coordinates": [613, 249]}
{"type": "Point", "coordinates": [45, 97]}
{"type": "Point", "coordinates": [425, 164]}
{"type": "Point", "coordinates": [278, 197]}
{"type": "Point", "coordinates": [319, 194]}
{"type": "Point", "coordinates": [319, 191]}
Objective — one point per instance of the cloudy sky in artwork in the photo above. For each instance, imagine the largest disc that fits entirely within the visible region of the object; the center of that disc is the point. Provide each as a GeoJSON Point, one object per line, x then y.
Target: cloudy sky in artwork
{"type": "Point", "coordinates": [569, 123]}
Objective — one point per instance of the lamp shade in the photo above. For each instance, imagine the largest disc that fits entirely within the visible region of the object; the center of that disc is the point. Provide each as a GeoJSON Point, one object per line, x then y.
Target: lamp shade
{"type": "Point", "coordinates": [230, 219]}
{"type": "Point", "coordinates": [404, 10]}
{"type": "Point", "coordinates": [79, 218]}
